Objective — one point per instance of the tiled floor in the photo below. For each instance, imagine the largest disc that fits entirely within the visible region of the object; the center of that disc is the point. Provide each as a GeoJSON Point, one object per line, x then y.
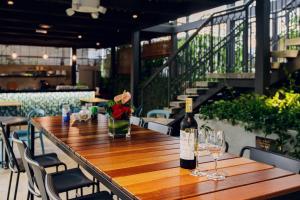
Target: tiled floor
{"type": "Point", "coordinates": [22, 191]}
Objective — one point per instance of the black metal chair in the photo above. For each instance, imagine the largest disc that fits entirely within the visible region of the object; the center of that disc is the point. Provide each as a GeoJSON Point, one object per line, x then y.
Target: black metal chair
{"type": "Point", "coordinates": [271, 158]}
{"type": "Point", "coordinates": [53, 195]}
{"type": "Point", "coordinates": [15, 165]}
{"type": "Point", "coordinates": [45, 160]}
{"type": "Point", "coordinates": [64, 181]}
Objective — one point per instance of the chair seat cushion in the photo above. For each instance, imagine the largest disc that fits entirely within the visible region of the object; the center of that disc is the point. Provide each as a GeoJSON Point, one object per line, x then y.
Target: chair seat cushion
{"type": "Point", "coordinates": [70, 179]}
{"type": "Point", "coordinates": [48, 160]}
{"type": "Point", "coordinates": [104, 195]}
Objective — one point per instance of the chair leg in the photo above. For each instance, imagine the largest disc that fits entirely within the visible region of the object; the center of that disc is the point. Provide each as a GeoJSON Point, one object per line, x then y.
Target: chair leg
{"type": "Point", "coordinates": [42, 142]}
{"type": "Point", "coordinates": [17, 185]}
{"type": "Point", "coordinates": [9, 185]}
{"type": "Point", "coordinates": [28, 195]}
{"type": "Point", "coordinates": [2, 154]}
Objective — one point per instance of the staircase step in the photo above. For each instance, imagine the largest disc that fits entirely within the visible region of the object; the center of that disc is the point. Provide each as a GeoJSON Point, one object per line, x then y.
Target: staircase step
{"type": "Point", "coordinates": [183, 97]}
{"type": "Point", "coordinates": [292, 42]}
{"type": "Point", "coordinates": [275, 65]}
{"type": "Point", "coordinates": [196, 90]}
{"type": "Point", "coordinates": [285, 54]}
{"type": "Point", "coordinates": [173, 110]}
{"type": "Point", "coordinates": [178, 104]}
{"type": "Point", "coordinates": [205, 84]}
{"type": "Point", "coordinates": [231, 76]}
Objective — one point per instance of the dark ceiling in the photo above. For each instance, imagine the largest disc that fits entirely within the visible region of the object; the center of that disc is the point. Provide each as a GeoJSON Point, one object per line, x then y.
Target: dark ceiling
{"type": "Point", "coordinates": [18, 22]}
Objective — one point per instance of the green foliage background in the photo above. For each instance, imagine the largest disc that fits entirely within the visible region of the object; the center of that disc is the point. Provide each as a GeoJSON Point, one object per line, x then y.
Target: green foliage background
{"type": "Point", "coordinates": [276, 114]}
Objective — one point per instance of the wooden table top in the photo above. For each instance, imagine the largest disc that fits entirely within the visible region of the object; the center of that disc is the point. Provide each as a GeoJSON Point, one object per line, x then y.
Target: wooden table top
{"type": "Point", "coordinates": [94, 100]}
{"type": "Point", "coordinates": [163, 121]}
{"type": "Point", "coordinates": [13, 121]}
{"type": "Point", "coordinates": [146, 166]}
{"type": "Point", "coordinates": [10, 104]}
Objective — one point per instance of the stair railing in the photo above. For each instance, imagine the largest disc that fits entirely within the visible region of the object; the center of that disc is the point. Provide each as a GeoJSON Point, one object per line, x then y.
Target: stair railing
{"type": "Point", "coordinates": [285, 20]}
{"type": "Point", "coordinates": [208, 50]}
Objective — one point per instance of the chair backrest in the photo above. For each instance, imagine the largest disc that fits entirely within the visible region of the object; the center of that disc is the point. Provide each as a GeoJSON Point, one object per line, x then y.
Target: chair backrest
{"type": "Point", "coordinates": [37, 112]}
{"type": "Point", "coordinates": [38, 172]}
{"type": "Point", "coordinates": [159, 113]}
{"type": "Point", "coordinates": [135, 121]}
{"type": "Point", "coordinates": [53, 195]}
{"type": "Point", "coordinates": [275, 159]}
{"type": "Point", "coordinates": [159, 128]}
{"type": "Point", "coordinates": [138, 111]}
{"type": "Point", "coordinates": [21, 145]}
{"type": "Point", "coordinates": [13, 163]}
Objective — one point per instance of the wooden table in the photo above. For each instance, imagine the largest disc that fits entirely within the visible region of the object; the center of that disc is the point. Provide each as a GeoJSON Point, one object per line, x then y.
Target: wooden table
{"type": "Point", "coordinates": [163, 121]}
{"type": "Point", "coordinates": [10, 104]}
{"type": "Point", "coordinates": [9, 122]}
{"type": "Point", "coordinates": [146, 166]}
{"type": "Point", "coordinates": [94, 100]}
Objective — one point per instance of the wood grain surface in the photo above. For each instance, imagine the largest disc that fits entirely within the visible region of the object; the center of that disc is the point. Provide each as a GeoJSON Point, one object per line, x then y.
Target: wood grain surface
{"type": "Point", "coordinates": [147, 165]}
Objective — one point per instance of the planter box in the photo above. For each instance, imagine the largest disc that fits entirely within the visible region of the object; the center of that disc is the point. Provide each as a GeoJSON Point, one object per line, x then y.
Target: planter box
{"type": "Point", "coordinates": [236, 136]}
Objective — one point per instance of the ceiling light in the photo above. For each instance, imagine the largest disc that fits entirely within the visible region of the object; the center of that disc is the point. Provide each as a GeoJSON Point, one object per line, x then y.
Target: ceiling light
{"type": "Point", "coordinates": [45, 56]}
{"type": "Point", "coordinates": [70, 12]}
{"type": "Point", "coordinates": [10, 3]}
{"type": "Point", "coordinates": [41, 31]}
{"type": "Point", "coordinates": [95, 15]}
{"type": "Point", "coordinates": [14, 55]}
{"type": "Point", "coordinates": [74, 57]}
{"type": "Point", "coordinates": [98, 43]}
{"type": "Point", "coordinates": [86, 6]}
{"type": "Point", "coordinates": [45, 26]}
{"type": "Point", "coordinates": [134, 16]}
{"type": "Point", "coordinates": [79, 36]}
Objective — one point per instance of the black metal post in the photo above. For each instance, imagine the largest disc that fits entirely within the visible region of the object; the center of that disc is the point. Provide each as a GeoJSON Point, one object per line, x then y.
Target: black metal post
{"type": "Point", "coordinates": [211, 44]}
{"type": "Point", "coordinates": [262, 62]}
{"type": "Point", "coordinates": [245, 41]}
{"type": "Point", "coordinates": [74, 66]}
{"type": "Point", "coordinates": [174, 40]}
{"type": "Point", "coordinates": [113, 62]}
{"type": "Point", "coordinates": [135, 68]}
{"type": "Point", "coordinates": [230, 45]}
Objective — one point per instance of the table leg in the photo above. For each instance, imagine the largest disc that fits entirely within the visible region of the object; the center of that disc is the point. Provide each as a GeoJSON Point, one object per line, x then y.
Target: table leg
{"type": "Point", "coordinates": [32, 135]}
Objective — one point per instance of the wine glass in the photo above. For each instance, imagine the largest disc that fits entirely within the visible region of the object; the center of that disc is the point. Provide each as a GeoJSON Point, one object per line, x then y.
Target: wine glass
{"type": "Point", "coordinates": [199, 147]}
{"type": "Point", "coordinates": [216, 146]}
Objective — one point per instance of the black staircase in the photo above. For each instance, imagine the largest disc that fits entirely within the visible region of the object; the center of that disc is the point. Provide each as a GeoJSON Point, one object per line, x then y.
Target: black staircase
{"type": "Point", "coordinates": [221, 53]}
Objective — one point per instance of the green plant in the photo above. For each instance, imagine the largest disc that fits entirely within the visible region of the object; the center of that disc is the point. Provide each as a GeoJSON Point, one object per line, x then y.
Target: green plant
{"type": "Point", "coordinates": [271, 115]}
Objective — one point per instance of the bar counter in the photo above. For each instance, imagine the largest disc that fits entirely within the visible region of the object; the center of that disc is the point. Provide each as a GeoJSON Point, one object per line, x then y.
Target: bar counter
{"type": "Point", "coordinates": [49, 100]}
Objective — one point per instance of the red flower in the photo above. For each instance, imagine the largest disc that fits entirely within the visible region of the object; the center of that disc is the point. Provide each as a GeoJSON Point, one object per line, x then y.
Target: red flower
{"type": "Point", "coordinates": [120, 111]}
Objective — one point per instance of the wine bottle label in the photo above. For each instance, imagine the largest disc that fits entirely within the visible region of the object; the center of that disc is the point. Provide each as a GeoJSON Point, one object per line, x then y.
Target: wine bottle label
{"type": "Point", "coordinates": [188, 105]}
{"type": "Point", "coordinates": [187, 140]}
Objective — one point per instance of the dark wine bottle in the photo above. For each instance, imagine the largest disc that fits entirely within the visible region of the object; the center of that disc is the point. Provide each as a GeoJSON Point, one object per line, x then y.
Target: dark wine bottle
{"type": "Point", "coordinates": [188, 130]}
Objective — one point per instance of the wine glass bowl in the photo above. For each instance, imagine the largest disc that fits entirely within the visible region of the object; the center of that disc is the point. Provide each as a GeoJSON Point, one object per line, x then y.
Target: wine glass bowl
{"type": "Point", "coordinates": [216, 146]}
{"type": "Point", "coordinates": [199, 147]}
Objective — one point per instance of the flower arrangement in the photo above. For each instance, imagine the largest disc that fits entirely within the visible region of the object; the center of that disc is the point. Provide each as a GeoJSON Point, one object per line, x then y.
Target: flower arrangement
{"type": "Point", "coordinates": [119, 112]}
{"type": "Point", "coordinates": [119, 108]}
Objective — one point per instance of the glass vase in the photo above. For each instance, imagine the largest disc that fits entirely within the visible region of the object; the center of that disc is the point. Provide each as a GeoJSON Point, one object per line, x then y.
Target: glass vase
{"type": "Point", "coordinates": [118, 128]}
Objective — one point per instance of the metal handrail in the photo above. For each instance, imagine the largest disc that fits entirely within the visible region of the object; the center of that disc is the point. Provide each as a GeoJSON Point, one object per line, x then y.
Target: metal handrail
{"type": "Point", "coordinates": [206, 22]}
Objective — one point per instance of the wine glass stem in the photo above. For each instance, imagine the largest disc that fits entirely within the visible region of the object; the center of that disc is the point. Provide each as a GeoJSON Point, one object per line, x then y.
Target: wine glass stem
{"type": "Point", "coordinates": [216, 166]}
{"type": "Point", "coordinates": [197, 164]}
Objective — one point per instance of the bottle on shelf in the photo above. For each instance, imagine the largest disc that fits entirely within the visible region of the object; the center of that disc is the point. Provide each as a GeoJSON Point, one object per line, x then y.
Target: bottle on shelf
{"type": "Point", "coordinates": [188, 130]}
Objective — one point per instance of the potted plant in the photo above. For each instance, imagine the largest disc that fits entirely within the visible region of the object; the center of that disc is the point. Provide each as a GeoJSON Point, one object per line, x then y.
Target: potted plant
{"type": "Point", "coordinates": [119, 112]}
